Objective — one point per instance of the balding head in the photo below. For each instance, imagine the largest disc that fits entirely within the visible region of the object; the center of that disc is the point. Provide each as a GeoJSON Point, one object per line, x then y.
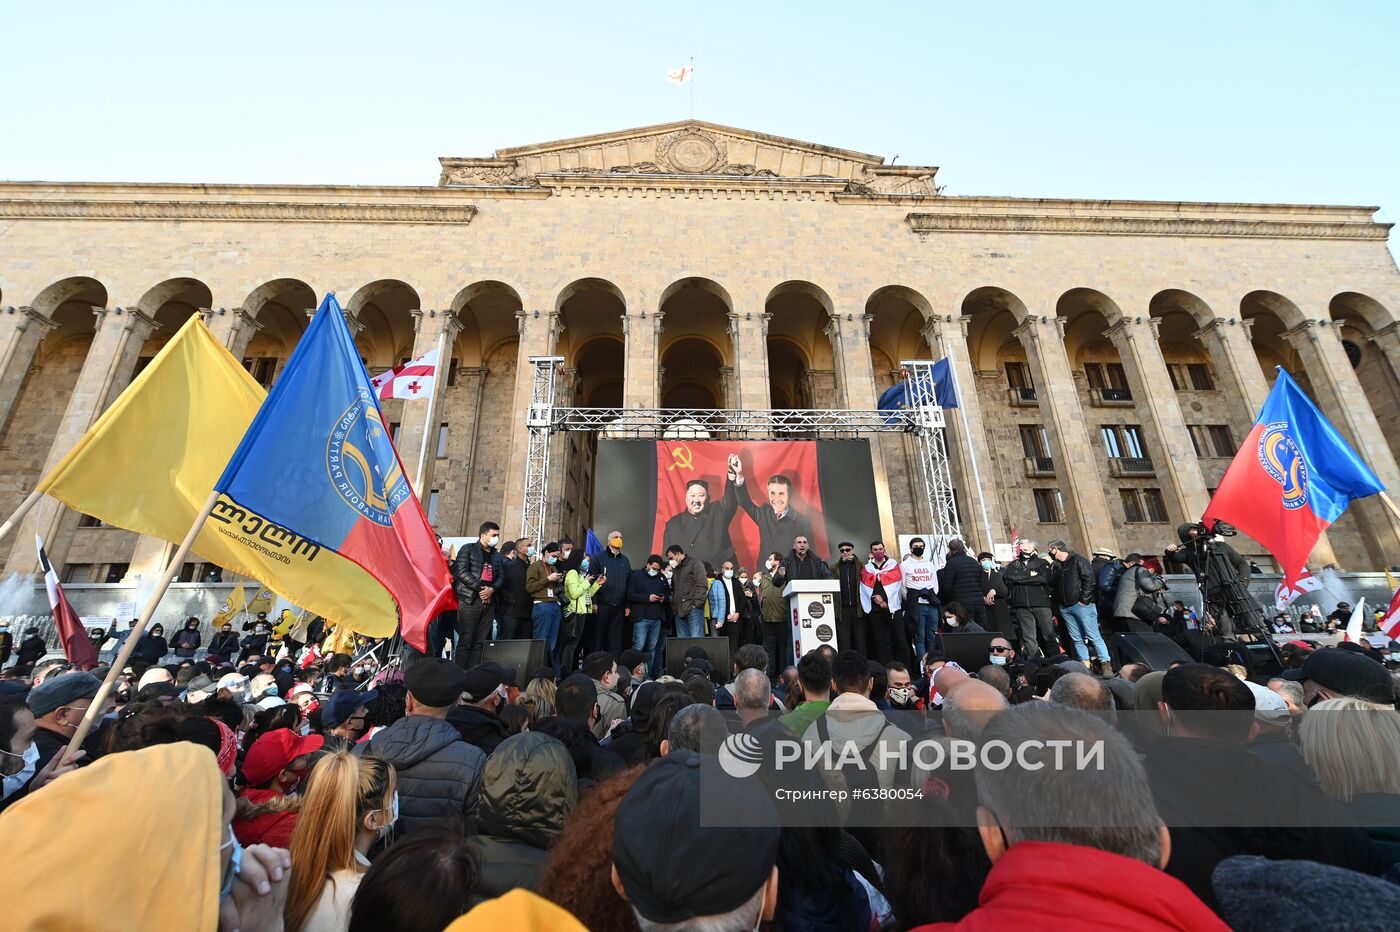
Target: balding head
{"type": "Point", "coordinates": [969, 706]}
{"type": "Point", "coordinates": [947, 677]}
{"type": "Point", "coordinates": [1132, 672]}
{"type": "Point", "coordinates": [1084, 692]}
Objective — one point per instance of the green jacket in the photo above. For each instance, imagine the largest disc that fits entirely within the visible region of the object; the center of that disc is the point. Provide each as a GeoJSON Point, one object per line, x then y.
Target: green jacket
{"type": "Point", "coordinates": [775, 607]}
{"type": "Point", "coordinates": [801, 718]}
{"type": "Point", "coordinates": [579, 594]}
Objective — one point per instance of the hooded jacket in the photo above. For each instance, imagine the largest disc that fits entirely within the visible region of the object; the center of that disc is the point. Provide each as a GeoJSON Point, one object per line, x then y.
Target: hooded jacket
{"type": "Point", "coordinates": [138, 803]}
{"type": "Point", "coordinates": [477, 726]}
{"type": "Point", "coordinates": [854, 718]}
{"type": "Point", "coordinates": [1046, 885]}
{"type": "Point", "coordinates": [1135, 582]}
{"type": "Point", "coordinates": [527, 792]}
{"type": "Point", "coordinates": [439, 773]}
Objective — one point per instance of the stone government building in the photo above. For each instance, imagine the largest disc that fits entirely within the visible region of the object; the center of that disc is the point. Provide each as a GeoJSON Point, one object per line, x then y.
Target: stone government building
{"type": "Point", "coordinates": [1112, 354]}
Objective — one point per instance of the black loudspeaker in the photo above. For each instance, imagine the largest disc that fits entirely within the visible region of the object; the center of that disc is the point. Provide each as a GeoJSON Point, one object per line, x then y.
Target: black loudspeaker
{"type": "Point", "coordinates": [1156, 650]}
{"type": "Point", "coordinates": [525, 656]}
{"type": "Point", "coordinates": [716, 649]}
{"type": "Point", "coordinates": [1254, 656]}
{"type": "Point", "coordinates": [970, 651]}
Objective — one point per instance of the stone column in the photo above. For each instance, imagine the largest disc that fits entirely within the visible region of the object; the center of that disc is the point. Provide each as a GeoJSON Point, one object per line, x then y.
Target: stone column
{"type": "Point", "coordinates": [110, 362]}
{"type": "Point", "coordinates": [946, 334]}
{"type": "Point", "coordinates": [1387, 340]}
{"type": "Point", "coordinates": [1076, 464]}
{"type": "Point", "coordinates": [22, 329]}
{"type": "Point", "coordinates": [233, 327]}
{"type": "Point", "coordinates": [1342, 399]}
{"type": "Point", "coordinates": [641, 372]}
{"type": "Point", "coordinates": [538, 331]}
{"type": "Point", "coordinates": [471, 384]}
{"type": "Point", "coordinates": [855, 374]}
{"type": "Point", "coordinates": [1227, 340]}
{"type": "Point", "coordinates": [749, 334]}
{"type": "Point", "coordinates": [428, 328]}
{"type": "Point", "coordinates": [1173, 455]}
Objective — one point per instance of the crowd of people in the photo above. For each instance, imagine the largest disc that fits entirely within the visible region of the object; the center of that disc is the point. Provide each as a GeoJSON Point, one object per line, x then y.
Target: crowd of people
{"type": "Point", "coordinates": [302, 789]}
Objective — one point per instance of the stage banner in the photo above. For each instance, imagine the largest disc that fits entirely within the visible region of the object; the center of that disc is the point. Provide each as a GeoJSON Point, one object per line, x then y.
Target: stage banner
{"type": "Point", "coordinates": [735, 500]}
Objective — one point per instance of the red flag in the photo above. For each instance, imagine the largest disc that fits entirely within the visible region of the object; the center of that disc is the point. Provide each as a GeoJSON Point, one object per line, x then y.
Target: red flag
{"type": "Point", "coordinates": [77, 647]}
{"type": "Point", "coordinates": [1390, 624]}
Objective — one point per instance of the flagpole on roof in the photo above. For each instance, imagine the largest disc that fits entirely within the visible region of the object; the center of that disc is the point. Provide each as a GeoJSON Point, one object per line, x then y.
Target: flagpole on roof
{"type": "Point", "coordinates": [971, 448]}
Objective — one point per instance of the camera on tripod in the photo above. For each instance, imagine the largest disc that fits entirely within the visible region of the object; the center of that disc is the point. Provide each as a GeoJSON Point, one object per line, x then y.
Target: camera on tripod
{"type": "Point", "coordinates": [1221, 528]}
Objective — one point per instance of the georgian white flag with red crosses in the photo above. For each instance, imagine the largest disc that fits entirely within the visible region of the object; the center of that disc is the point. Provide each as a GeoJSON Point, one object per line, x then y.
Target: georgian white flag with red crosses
{"type": "Point", "coordinates": [414, 379]}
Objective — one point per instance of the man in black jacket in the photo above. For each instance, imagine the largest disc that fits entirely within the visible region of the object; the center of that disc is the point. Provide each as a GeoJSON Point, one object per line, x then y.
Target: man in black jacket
{"type": "Point", "coordinates": [439, 774]}
{"type": "Point", "coordinates": [1191, 555]}
{"type": "Point", "coordinates": [647, 595]}
{"type": "Point", "coordinates": [802, 562]}
{"type": "Point", "coordinates": [702, 528]}
{"type": "Point", "coordinates": [474, 581]}
{"type": "Point", "coordinates": [515, 622]}
{"type": "Point", "coordinates": [1028, 577]}
{"type": "Point", "coordinates": [962, 581]}
{"type": "Point", "coordinates": [603, 630]}
{"type": "Point", "coordinates": [850, 619]}
{"type": "Point", "coordinates": [997, 598]}
{"type": "Point", "coordinates": [778, 522]}
{"type": "Point", "coordinates": [1074, 587]}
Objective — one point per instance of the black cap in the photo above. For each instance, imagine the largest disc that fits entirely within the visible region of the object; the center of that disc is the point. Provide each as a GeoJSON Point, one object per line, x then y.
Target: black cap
{"type": "Point", "coordinates": [343, 702]}
{"type": "Point", "coordinates": [1346, 673]}
{"type": "Point", "coordinates": [482, 680]}
{"type": "Point", "coordinates": [435, 682]}
{"type": "Point", "coordinates": [673, 866]}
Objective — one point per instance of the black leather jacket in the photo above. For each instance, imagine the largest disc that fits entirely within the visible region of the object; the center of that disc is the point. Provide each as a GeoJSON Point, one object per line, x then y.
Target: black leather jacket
{"type": "Point", "coordinates": [466, 572]}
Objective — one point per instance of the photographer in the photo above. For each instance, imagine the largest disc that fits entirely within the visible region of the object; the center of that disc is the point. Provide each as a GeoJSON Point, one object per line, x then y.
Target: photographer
{"type": "Point", "coordinates": [1191, 554]}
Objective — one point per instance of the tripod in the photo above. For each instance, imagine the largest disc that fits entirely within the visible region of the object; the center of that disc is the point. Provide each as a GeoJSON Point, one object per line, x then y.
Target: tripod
{"type": "Point", "coordinates": [1232, 595]}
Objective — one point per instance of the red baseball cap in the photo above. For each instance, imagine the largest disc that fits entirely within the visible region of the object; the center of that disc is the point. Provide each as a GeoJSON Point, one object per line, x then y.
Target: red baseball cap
{"type": "Point", "coordinates": [272, 752]}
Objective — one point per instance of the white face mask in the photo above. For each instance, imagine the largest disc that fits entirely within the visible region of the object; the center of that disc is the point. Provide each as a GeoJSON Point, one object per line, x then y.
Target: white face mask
{"type": "Point", "coordinates": [564, 554]}
{"type": "Point", "coordinates": [900, 695]}
{"type": "Point", "coordinates": [728, 574]}
{"type": "Point", "coordinates": [493, 540]}
{"type": "Point", "coordinates": [743, 580]}
{"type": "Point", "coordinates": [14, 782]}
{"type": "Point", "coordinates": [652, 571]}
{"type": "Point", "coordinates": [989, 564]}
{"type": "Point", "coordinates": [997, 660]}
{"type": "Point", "coordinates": [675, 563]}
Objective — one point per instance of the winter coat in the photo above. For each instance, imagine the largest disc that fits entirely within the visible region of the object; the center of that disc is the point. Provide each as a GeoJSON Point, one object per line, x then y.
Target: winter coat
{"type": "Point", "coordinates": [224, 643]}
{"type": "Point", "coordinates": [578, 593]}
{"type": "Point", "coordinates": [808, 567]}
{"type": "Point", "coordinates": [31, 649]}
{"type": "Point", "coordinates": [999, 612]}
{"type": "Point", "coordinates": [1047, 885]}
{"type": "Point", "coordinates": [538, 585]}
{"type": "Point", "coordinates": [151, 648]}
{"type": "Point", "coordinates": [1029, 580]}
{"type": "Point", "coordinates": [1135, 582]}
{"type": "Point", "coordinates": [478, 727]}
{"type": "Point", "coordinates": [1074, 580]}
{"type": "Point", "coordinates": [618, 569]}
{"type": "Point", "coordinates": [527, 792]}
{"type": "Point", "coordinates": [186, 641]}
{"type": "Point", "coordinates": [466, 572]}
{"type": "Point", "coordinates": [265, 817]}
{"type": "Point", "coordinates": [439, 774]}
{"type": "Point", "coordinates": [1260, 895]}
{"type": "Point", "coordinates": [640, 587]}
{"type": "Point", "coordinates": [518, 603]}
{"type": "Point", "coordinates": [1192, 559]}
{"type": "Point", "coordinates": [847, 573]}
{"type": "Point", "coordinates": [689, 585]}
{"type": "Point", "coordinates": [962, 580]}
{"type": "Point", "coordinates": [853, 718]}
{"type": "Point", "coordinates": [774, 607]}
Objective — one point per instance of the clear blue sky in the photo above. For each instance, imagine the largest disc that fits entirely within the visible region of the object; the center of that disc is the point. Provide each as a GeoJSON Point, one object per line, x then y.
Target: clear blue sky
{"type": "Point", "coordinates": [1247, 101]}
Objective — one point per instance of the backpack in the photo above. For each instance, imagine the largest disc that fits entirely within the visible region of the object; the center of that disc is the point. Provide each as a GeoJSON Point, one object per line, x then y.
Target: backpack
{"type": "Point", "coordinates": [1109, 575]}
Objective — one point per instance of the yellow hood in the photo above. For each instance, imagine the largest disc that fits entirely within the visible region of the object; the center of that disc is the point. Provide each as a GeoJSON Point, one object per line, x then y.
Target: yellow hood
{"type": "Point", "coordinates": [128, 843]}
{"type": "Point", "coordinates": [520, 911]}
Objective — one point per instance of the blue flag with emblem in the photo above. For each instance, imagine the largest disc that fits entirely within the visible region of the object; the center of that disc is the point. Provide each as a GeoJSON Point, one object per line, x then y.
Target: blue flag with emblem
{"type": "Point", "coordinates": [905, 394]}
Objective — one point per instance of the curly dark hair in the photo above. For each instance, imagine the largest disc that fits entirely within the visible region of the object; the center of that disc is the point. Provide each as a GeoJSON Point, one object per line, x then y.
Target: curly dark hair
{"type": "Point", "coordinates": [572, 877]}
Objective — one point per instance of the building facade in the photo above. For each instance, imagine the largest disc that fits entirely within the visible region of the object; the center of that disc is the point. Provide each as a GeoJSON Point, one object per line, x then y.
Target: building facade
{"type": "Point", "coordinates": [1111, 354]}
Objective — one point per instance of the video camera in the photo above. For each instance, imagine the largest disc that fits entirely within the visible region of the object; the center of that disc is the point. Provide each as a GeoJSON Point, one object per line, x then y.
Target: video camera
{"type": "Point", "coordinates": [1220, 528]}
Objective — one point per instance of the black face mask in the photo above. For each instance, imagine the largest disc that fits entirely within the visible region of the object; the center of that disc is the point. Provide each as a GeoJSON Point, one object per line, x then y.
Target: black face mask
{"type": "Point", "coordinates": [917, 551]}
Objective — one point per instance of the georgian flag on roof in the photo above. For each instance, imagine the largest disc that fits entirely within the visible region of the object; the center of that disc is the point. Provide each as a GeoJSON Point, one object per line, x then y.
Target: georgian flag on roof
{"type": "Point", "coordinates": [680, 75]}
{"type": "Point", "coordinates": [414, 379]}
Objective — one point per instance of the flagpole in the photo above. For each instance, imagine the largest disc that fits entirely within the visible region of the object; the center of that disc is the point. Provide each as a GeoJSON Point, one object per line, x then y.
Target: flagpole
{"type": "Point", "coordinates": [29, 503]}
{"type": "Point", "coordinates": [971, 447]}
{"type": "Point", "coordinates": [428, 419]}
{"type": "Point", "coordinates": [138, 628]}
{"type": "Point", "coordinates": [1385, 500]}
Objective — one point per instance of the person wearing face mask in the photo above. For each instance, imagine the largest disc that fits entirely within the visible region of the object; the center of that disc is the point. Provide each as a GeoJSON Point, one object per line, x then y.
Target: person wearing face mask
{"type": "Point", "coordinates": [996, 598]}
{"type": "Point", "coordinates": [543, 582]}
{"type": "Point", "coordinates": [344, 717]}
{"type": "Point", "coordinates": [152, 646]}
{"type": "Point", "coordinates": [882, 598]}
{"type": "Point", "coordinates": [474, 581]}
{"type": "Point", "coordinates": [477, 719]}
{"type": "Point", "coordinates": [777, 636]}
{"type": "Point", "coordinates": [689, 590]}
{"type": "Point", "coordinates": [921, 597]}
{"type": "Point", "coordinates": [647, 595]}
{"type": "Point", "coordinates": [899, 690]}
{"type": "Point", "coordinates": [958, 621]}
{"type": "Point", "coordinates": [963, 580]}
{"type": "Point", "coordinates": [515, 620]}
{"type": "Point", "coordinates": [272, 770]}
{"type": "Point", "coordinates": [608, 626]}
{"type": "Point", "coordinates": [59, 705]}
{"type": "Point", "coordinates": [580, 587]}
{"type": "Point", "coordinates": [349, 804]}
{"type": "Point", "coordinates": [19, 754]}
{"type": "Point", "coordinates": [1028, 577]}
{"type": "Point", "coordinates": [224, 643]}
{"type": "Point", "coordinates": [724, 606]}
{"type": "Point", "coordinates": [850, 617]}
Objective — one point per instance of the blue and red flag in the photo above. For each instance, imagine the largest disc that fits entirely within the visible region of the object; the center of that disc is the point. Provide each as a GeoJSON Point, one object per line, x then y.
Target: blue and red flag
{"type": "Point", "coordinates": [1293, 476]}
{"type": "Point", "coordinates": [318, 461]}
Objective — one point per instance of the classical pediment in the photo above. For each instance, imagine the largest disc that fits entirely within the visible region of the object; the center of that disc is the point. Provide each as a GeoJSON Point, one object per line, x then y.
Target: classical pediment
{"type": "Point", "coordinates": [691, 150]}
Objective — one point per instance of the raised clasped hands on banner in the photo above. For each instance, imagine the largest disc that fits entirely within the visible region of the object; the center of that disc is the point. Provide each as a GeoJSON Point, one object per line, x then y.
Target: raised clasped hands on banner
{"type": "Point", "coordinates": [736, 468]}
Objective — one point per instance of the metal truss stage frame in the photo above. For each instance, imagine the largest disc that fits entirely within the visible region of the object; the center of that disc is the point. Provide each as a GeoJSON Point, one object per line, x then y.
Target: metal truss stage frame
{"type": "Point", "coordinates": [924, 423]}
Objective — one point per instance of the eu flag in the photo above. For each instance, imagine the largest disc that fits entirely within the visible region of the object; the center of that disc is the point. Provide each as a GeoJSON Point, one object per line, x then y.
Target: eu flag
{"type": "Point", "coordinates": [1293, 476]}
{"type": "Point", "coordinates": [318, 461]}
{"type": "Point", "coordinates": [935, 387]}
{"type": "Point", "coordinates": [592, 545]}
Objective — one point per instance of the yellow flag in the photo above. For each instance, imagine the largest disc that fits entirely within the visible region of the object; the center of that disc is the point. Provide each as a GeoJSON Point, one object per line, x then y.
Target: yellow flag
{"type": "Point", "coordinates": [237, 599]}
{"type": "Point", "coordinates": [341, 640]}
{"type": "Point", "coordinates": [1390, 581]}
{"type": "Point", "coordinates": [150, 461]}
{"type": "Point", "coordinates": [262, 602]}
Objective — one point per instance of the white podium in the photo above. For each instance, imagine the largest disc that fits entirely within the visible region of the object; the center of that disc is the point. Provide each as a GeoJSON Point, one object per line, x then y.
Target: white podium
{"type": "Point", "coordinates": [812, 603]}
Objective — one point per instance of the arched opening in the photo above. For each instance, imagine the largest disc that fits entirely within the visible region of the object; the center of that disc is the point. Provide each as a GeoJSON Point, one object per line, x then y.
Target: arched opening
{"type": "Point", "coordinates": [48, 385]}
{"type": "Point", "coordinates": [472, 452]}
{"type": "Point", "coordinates": [801, 365]}
{"type": "Point", "coordinates": [384, 312]}
{"type": "Point", "coordinates": [171, 303]}
{"type": "Point", "coordinates": [696, 363]}
{"type": "Point", "coordinates": [591, 340]}
{"type": "Point", "coordinates": [280, 309]}
{"type": "Point", "coordinates": [897, 318]}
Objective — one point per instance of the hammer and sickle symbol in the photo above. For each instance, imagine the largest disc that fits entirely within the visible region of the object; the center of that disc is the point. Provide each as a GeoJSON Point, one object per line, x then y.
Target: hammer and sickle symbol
{"type": "Point", "coordinates": [682, 457]}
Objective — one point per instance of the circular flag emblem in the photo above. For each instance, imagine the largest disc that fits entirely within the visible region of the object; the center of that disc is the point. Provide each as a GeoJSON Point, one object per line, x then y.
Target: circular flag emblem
{"type": "Point", "coordinates": [1281, 459]}
{"type": "Point", "coordinates": [362, 464]}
